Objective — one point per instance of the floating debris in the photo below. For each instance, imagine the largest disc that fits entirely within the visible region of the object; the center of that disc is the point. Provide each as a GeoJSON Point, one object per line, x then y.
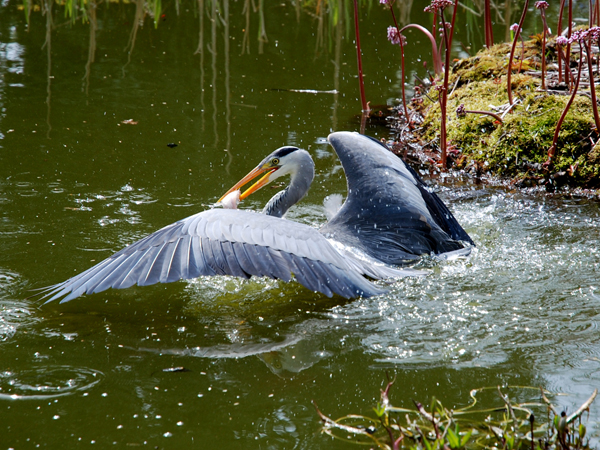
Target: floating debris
{"type": "Point", "coordinates": [307, 91]}
{"type": "Point", "coordinates": [176, 369]}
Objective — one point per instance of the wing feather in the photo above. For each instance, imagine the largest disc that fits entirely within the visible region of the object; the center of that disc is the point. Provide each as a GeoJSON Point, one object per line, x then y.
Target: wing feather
{"type": "Point", "coordinates": [255, 257]}
{"type": "Point", "coordinates": [224, 242]}
{"type": "Point", "coordinates": [179, 261]}
{"type": "Point", "coordinates": [197, 257]}
{"type": "Point", "coordinates": [239, 248]}
{"type": "Point", "coordinates": [115, 274]}
{"type": "Point", "coordinates": [283, 271]}
{"type": "Point", "coordinates": [155, 265]}
{"type": "Point", "coordinates": [235, 268]}
{"type": "Point", "coordinates": [389, 213]}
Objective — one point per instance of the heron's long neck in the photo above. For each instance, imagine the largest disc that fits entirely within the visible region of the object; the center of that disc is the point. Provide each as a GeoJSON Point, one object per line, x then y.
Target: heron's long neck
{"type": "Point", "coordinates": [300, 183]}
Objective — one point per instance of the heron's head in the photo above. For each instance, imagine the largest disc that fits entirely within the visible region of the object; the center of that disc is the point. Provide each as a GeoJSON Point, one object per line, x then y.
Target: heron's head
{"type": "Point", "coordinates": [283, 161]}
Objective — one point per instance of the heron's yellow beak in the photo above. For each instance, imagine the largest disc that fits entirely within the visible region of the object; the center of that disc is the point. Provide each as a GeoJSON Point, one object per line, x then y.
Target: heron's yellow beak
{"type": "Point", "coordinates": [251, 176]}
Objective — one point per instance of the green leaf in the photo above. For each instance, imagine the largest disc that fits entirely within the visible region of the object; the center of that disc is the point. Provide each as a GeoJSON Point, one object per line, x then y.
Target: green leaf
{"type": "Point", "coordinates": [510, 441]}
{"type": "Point", "coordinates": [453, 438]}
{"type": "Point", "coordinates": [582, 431]}
{"type": "Point", "coordinates": [426, 443]}
{"type": "Point", "coordinates": [465, 438]}
{"type": "Point", "coordinates": [379, 409]}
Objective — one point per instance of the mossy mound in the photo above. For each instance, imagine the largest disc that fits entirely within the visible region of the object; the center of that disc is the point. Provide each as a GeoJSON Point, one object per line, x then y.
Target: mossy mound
{"type": "Point", "coordinates": [492, 62]}
{"type": "Point", "coordinates": [516, 147]}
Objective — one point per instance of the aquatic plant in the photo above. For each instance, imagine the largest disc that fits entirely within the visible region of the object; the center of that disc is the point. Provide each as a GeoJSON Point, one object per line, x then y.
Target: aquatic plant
{"type": "Point", "coordinates": [447, 30]}
{"type": "Point", "coordinates": [395, 37]}
{"type": "Point", "coordinates": [568, 77]}
{"type": "Point", "coordinates": [506, 424]}
{"type": "Point", "coordinates": [461, 111]}
{"type": "Point", "coordinates": [363, 99]}
{"type": "Point", "coordinates": [517, 32]}
{"type": "Point", "coordinates": [542, 6]}
{"type": "Point", "coordinates": [591, 34]}
{"type": "Point", "coordinates": [487, 24]}
{"type": "Point", "coordinates": [583, 38]}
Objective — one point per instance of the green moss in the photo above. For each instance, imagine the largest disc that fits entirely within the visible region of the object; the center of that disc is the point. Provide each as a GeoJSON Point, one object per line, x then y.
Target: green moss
{"type": "Point", "coordinates": [519, 146]}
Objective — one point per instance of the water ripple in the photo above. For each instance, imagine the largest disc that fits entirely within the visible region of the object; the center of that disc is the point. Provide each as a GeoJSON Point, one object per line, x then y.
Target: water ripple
{"type": "Point", "coordinates": [46, 382]}
{"type": "Point", "coordinates": [527, 289]}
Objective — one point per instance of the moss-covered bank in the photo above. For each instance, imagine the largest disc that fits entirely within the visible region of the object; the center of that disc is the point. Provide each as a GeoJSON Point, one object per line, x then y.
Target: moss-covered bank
{"type": "Point", "coordinates": [516, 147]}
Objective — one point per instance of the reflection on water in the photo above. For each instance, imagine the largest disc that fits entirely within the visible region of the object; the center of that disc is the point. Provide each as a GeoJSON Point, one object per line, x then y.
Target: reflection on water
{"type": "Point", "coordinates": [300, 348]}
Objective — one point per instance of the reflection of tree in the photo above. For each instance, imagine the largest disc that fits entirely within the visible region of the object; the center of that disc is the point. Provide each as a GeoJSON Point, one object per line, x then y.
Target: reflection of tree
{"type": "Point", "coordinates": [262, 33]}
{"type": "Point", "coordinates": [213, 50]}
{"type": "Point", "coordinates": [227, 81]}
{"type": "Point", "coordinates": [47, 11]}
{"type": "Point", "coordinates": [200, 51]}
{"type": "Point", "coordinates": [246, 39]}
{"type": "Point", "coordinates": [137, 23]}
{"type": "Point", "coordinates": [92, 47]}
{"type": "Point", "coordinates": [336, 71]}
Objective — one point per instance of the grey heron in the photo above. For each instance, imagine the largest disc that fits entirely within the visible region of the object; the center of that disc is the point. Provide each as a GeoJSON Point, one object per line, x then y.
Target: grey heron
{"type": "Point", "coordinates": [389, 219]}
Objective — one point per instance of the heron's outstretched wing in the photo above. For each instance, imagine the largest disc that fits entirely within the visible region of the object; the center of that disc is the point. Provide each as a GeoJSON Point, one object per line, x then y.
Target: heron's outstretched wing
{"type": "Point", "coordinates": [227, 242]}
{"type": "Point", "coordinates": [389, 213]}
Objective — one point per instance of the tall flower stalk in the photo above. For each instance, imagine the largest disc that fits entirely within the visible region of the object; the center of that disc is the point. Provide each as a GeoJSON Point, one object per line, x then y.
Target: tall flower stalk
{"type": "Point", "coordinates": [559, 34]}
{"type": "Point", "coordinates": [567, 70]}
{"type": "Point", "coordinates": [435, 54]}
{"type": "Point", "coordinates": [591, 34]}
{"type": "Point", "coordinates": [487, 21]}
{"type": "Point", "coordinates": [542, 6]}
{"type": "Point", "coordinates": [568, 51]}
{"type": "Point", "coordinates": [447, 30]}
{"type": "Point", "coordinates": [396, 37]}
{"type": "Point", "coordinates": [552, 149]}
{"type": "Point", "coordinates": [512, 53]}
{"type": "Point", "coordinates": [363, 99]}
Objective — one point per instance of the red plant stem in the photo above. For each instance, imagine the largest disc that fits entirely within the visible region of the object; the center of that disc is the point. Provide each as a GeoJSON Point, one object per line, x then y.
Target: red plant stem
{"type": "Point", "coordinates": [552, 150]}
{"type": "Point", "coordinates": [402, 63]}
{"type": "Point", "coordinates": [562, 57]}
{"type": "Point", "coordinates": [546, 32]}
{"type": "Point", "coordinates": [437, 60]}
{"type": "Point", "coordinates": [443, 99]}
{"type": "Point", "coordinates": [568, 51]}
{"type": "Point", "coordinates": [545, 22]}
{"type": "Point", "coordinates": [512, 53]}
{"type": "Point", "coordinates": [449, 47]}
{"type": "Point", "coordinates": [365, 105]}
{"type": "Point", "coordinates": [522, 55]}
{"type": "Point", "coordinates": [487, 20]}
{"type": "Point", "coordinates": [444, 93]}
{"type": "Point", "coordinates": [560, 16]}
{"type": "Point", "coordinates": [588, 53]}
{"type": "Point", "coordinates": [434, 26]}
{"type": "Point", "coordinates": [544, 49]}
{"type": "Point", "coordinates": [487, 113]}
{"type": "Point", "coordinates": [559, 33]}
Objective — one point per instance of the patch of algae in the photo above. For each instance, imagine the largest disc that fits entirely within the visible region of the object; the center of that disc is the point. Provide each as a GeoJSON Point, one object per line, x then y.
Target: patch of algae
{"type": "Point", "coordinates": [519, 146]}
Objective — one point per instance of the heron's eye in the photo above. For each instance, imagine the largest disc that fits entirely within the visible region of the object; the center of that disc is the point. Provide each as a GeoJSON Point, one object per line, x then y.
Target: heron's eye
{"type": "Point", "coordinates": [275, 161]}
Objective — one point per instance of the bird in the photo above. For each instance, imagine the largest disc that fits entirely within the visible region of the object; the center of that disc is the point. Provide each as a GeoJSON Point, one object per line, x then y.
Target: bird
{"type": "Point", "coordinates": [389, 220]}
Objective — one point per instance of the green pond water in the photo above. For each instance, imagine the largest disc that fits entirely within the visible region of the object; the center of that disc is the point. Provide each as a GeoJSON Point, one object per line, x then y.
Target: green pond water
{"type": "Point", "coordinates": [85, 170]}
